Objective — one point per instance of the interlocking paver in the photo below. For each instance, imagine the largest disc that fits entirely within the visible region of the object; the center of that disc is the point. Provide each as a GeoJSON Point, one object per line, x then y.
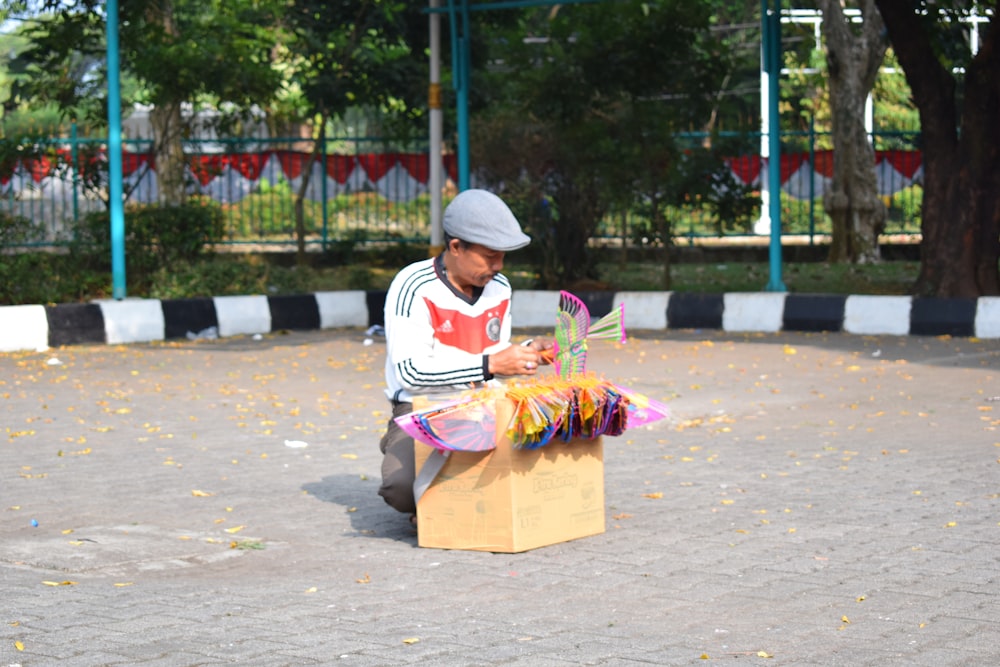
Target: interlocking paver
{"type": "Point", "coordinates": [827, 499]}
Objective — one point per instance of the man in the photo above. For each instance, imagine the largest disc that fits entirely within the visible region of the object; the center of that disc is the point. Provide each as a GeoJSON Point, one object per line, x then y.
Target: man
{"type": "Point", "coordinates": [447, 325]}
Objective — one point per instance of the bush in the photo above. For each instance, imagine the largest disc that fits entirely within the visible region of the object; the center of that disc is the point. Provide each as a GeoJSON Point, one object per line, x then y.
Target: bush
{"type": "Point", "coordinates": [156, 238]}
{"type": "Point", "coordinates": [18, 230]}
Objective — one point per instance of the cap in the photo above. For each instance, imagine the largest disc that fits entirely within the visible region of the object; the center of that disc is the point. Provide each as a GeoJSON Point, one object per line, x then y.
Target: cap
{"type": "Point", "coordinates": [479, 216]}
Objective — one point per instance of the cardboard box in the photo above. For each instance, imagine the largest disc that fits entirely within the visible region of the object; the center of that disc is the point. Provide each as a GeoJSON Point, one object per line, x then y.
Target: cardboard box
{"type": "Point", "coordinates": [508, 500]}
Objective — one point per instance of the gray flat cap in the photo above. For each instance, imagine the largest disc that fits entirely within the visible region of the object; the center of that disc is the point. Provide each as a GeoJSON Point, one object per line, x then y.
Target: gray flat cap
{"type": "Point", "coordinates": [479, 216]}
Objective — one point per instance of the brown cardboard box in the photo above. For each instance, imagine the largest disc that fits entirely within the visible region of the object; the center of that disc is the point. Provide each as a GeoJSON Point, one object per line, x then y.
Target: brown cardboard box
{"type": "Point", "coordinates": [509, 500]}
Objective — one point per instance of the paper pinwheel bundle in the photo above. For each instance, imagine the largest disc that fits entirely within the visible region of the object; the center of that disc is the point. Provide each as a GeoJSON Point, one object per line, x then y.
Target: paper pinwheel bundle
{"type": "Point", "coordinates": [574, 329]}
{"type": "Point", "coordinates": [572, 404]}
{"type": "Point", "coordinates": [467, 424]}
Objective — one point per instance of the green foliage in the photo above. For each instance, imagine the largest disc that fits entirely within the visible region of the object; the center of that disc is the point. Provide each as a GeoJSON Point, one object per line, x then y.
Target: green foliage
{"type": "Point", "coordinates": [156, 238]}
{"type": "Point", "coordinates": [584, 116]}
{"type": "Point", "coordinates": [226, 275]}
{"type": "Point", "coordinates": [48, 277]}
{"type": "Point", "coordinates": [16, 230]}
{"type": "Point", "coordinates": [905, 210]}
{"type": "Point", "coordinates": [346, 54]}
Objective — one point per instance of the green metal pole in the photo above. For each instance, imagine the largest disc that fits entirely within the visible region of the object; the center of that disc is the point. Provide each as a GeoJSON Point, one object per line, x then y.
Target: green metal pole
{"type": "Point", "coordinates": [462, 79]}
{"type": "Point", "coordinates": [771, 52]}
{"type": "Point", "coordinates": [325, 195]}
{"type": "Point", "coordinates": [75, 161]}
{"type": "Point", "coordinates": [115, 156]}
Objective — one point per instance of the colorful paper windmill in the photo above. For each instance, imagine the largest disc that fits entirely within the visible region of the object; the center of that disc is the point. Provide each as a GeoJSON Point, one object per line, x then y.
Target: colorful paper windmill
{"type": "Point", "coordinates": [573, 329]}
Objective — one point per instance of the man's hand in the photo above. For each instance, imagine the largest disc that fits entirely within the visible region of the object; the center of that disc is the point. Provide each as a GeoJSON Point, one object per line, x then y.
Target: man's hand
{"type": "Point", "coordinates": [516, 360]}
{"type": "Point", "coordinates": [544, 347]}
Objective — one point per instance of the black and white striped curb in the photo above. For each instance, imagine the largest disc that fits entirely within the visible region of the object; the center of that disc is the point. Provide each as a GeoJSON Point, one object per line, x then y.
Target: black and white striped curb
{"type": "Point", "coordinates": [37, 327]}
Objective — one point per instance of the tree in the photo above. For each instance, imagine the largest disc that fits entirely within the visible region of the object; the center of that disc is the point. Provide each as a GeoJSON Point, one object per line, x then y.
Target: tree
{"type": "Point", "coordinates": [854, 54]}
{"type": "Point", "coordinates": [956, 87]}
{"type": "Point", "coordinates": [581, 104]}
{"type": "Point", "coordinates": [352, 54]}
{"type": "Point", "coordinates": [177, 52]}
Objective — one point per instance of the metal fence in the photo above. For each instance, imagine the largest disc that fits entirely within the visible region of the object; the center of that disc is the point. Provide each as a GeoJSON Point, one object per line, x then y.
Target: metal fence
{"type": "Point", "coordinates": [358, 190]}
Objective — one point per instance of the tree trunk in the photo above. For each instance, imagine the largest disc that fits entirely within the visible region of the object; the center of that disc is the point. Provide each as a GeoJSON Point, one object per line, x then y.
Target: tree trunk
{"type": "Point", "coordinates": [578, 214]}
{"type": "Point", "coordinates": [961, 206]}
{"type": "Point", "coordinates": [168, 126]}
{"type": "Point", "coordinates": [168, 153]}
{"type": "Point", "coordinates": [300, 196]}
{"type": "Point", "coordinates": [853, 203]}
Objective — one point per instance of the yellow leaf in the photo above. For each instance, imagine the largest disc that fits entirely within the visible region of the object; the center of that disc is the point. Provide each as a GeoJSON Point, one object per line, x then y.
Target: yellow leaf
{"type": "Point", "coordinates": [349, 456]}
{"type": "Point", "coordinates": [365, 579]}
{"type": "Point", "coordinates": [727, 501]}
{"type": "Point", "coordinates": [67, 531]}
{"type": "Point", "coordinates": [123, 584]}
{"type": "Point", "coordinates": [845, 619]}
{"type": "Point", "coordinates": [860, 598]}
{"type": "Point", "coordinates": [764, 654]}
{"type": "Point", "coordinates": [201, 494]}
{"type": "Point", "coordinates": [19, 646]}
{"type": "Point", "coordinates": [411, 640]}
{"type": "Point", "coordinates": [311, 590]}
{"type": "Point", "coordinates": [654, 496]}
{"type": "Point", "coordinates": [59, 583]}
{"type": "Point", "coordinates": [704, 656]}
{"type": "Point", "coordinates": [235, 529]}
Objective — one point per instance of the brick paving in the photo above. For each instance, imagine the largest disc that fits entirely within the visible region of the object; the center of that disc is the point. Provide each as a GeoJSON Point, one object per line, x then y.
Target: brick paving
{"type": "Point", "coordinates": [827, 499]}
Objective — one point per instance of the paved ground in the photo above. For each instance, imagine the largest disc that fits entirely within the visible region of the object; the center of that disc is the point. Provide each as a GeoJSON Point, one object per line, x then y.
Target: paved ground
{"type": "Point", "coordinates": [826, 500]}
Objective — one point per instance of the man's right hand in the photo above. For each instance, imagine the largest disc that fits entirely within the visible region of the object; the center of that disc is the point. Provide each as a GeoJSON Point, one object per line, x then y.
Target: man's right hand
{"type": "Point", "coordinates": [515, 360]}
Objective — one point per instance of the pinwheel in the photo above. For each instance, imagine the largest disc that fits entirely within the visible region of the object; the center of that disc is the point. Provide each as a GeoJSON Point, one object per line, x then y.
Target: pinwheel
{"type": "Point", "coordinates": [573, 329]}
{"type": "Point", "coordinates": [642, 409]}
{"type": "Point", "coordinates": [465, 425]}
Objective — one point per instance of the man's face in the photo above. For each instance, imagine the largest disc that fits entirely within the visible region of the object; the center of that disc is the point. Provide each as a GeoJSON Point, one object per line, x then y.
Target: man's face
{"type": "Point", "coordinates": [474, 265]}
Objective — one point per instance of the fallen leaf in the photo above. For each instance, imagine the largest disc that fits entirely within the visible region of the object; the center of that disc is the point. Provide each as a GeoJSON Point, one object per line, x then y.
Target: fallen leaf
{"type": "Point", "coordinates": [59, 583]}
{"type": "Point", "coordinates": [123, 584]}
{"type": "Point", "coordinates": [654, 496]}
{"type": "Point", "coordinates": [19, 646]}
{"type": "Point", "coordinates": [235, 529]}
{"type": "Point", "coordinates": [411, 640]}
{"type": "Point", "coordinates": [365, 579]}
{"type": "Point", "coordinates": [201, 494]}
{"type": "Point", "coordinates": [764, 654]}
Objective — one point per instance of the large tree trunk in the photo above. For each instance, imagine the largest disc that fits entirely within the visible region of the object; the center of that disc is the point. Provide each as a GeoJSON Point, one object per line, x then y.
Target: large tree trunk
{"type": "Point", "coordinates": [168, 153]}
{"type": "Point", "coordinates": [853, 204]}
{"type": "Point", "coordinates": [578, 212]}
{"type": "Point", "coordinates": [168, 126]}
{"type": "Point", "coordinates": [300, 196]}
{"type": "Point", "coordinates": [961, 206]}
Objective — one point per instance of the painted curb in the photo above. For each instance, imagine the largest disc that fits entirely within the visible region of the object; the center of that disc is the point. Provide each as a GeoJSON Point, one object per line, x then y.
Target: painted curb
{"type": "Point", "coordinates": [33, 327]}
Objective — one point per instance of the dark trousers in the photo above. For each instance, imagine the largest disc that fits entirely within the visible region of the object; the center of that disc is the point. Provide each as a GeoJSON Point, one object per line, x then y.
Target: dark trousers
{"type": "Point", "coordinates": [398, 466]}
